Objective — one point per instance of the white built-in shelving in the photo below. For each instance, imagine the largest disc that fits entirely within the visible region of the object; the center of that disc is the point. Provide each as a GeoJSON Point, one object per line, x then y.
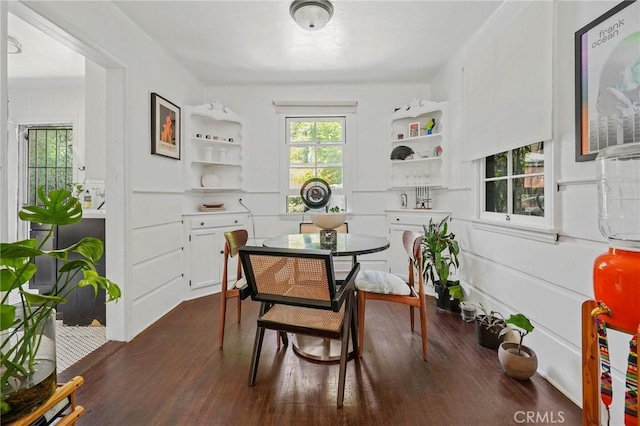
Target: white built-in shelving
{"type": "Point", "coordinates": [426, 167]}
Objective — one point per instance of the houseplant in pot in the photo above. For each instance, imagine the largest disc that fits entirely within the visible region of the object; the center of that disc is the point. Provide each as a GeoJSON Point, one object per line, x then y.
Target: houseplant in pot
{"type": "Point", "coordinates": [517, 360]}
{"type": "Point", "coordinates": [440, 252]}
{"type": "Point", "coordinates": [489, 325]}
{"type": "Point", "coordinates": [27, 330]}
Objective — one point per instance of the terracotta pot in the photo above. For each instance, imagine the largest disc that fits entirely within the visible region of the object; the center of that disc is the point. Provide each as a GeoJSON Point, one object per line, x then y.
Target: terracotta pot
{"type": "Point", "coordinates": [615, 282]}
{"type": "Point", "coordinates": [521, 366]}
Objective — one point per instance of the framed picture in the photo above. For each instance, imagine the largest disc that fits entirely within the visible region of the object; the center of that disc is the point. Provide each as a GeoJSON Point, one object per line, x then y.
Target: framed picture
{"type": "Point", "coordinates": [607, 103]}
{"type": "Point", "coordinates": [414, 130]}
{"type": "Point", "coordinates": [165, 127]}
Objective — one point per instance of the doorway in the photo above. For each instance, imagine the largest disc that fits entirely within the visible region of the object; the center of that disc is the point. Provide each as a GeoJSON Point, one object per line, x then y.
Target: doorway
{"type": "Point", "coordinates": [114, 105]}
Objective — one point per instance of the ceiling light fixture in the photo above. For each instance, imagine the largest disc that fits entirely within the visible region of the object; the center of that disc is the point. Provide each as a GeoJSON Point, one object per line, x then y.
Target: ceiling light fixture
{"type": "Point", "coordinates": [311, 15]}
{"type": "Point", "coordinates": [13, 45]}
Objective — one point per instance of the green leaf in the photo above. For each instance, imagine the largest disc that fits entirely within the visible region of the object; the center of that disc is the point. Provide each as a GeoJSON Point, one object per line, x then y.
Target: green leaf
{"type": "Point", "coordinates": [11, 279]}
{"type": "Point", "coordinates": [520, 321]}
{"type": "Point", "coordinates": [59, 208]}
{"type": "Point", "coordinates": [456, 291]}
{"type": "Point", "coordinates": [42, 299]}
{"type": "Point", "coordinates": [89, 247]}
{"type": "Point", "coordinates": [16, 254]}
{"type": "Point", "coordinates": [7, 316]}
{"type": "Point", "coordinates": [74, 265]}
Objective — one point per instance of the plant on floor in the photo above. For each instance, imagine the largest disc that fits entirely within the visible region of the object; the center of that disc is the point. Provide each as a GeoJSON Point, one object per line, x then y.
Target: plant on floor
{"type": "Point", "coordinates": [440, 252]}
{"type": "Point", "coordinates": [518, 360]}
{"type": "Point", "coordinates": [489, 325]}
{"type": "Point", "coordinates": [28, 377]}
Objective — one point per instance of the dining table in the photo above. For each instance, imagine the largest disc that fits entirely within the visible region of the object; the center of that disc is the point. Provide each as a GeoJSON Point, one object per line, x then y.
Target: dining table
{"type": "Point", "coordinates": [345, 244]}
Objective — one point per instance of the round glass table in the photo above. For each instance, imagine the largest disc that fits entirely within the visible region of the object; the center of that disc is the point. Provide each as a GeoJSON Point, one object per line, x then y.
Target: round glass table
{"type": "Point", "coordinates": [314, 348]}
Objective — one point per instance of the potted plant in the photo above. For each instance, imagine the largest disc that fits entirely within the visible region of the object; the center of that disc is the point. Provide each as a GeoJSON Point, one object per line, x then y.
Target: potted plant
{"type": "Point", "coordinates": [517, 360]}
{"type": "Point", "coordinates": [440, 253]}
{"type": "Point", "coordinates": [27, 330]}
{"type": "Point", "coordinates": [489, 325]}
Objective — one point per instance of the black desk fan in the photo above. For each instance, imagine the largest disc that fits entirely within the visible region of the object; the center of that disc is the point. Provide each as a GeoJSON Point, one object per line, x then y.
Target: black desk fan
{"type": "Point", "coordinates": [315, 194]}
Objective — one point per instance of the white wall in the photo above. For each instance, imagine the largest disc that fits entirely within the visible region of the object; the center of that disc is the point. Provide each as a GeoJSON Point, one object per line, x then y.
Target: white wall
{"type": "Point", "coordinates": [371, 165]}
{"type": "Point", "coordinates": [100, 30]}
{"type": "Point", "coordinates": [547, 282]}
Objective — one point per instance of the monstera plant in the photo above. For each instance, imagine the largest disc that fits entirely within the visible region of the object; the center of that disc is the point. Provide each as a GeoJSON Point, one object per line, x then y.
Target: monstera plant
{"type": "Point", "coordinates": [27, 328]}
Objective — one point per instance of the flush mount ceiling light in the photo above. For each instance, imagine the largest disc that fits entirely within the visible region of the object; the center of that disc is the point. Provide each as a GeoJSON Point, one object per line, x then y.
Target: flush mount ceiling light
{"type": "Point", "coordinates": [311, 15]}
{"type": "Point", "coordinates": [13, 45]}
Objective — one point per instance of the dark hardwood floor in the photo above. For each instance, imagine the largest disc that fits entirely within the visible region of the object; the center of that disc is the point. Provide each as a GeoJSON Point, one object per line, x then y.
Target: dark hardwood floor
{"type": "Point", "coordinates": [175, 374]}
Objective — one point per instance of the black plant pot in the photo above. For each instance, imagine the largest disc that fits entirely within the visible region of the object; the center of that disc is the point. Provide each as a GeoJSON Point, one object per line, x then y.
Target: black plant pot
{"type": "Point", "coordinates": [489, 337]}
{"type": "Point", "coordinates": [444, 299]}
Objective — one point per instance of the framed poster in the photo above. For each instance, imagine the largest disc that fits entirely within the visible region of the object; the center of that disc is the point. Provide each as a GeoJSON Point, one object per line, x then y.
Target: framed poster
{"type": "Point", "coordinates": [165, 127]}
{"type": "Point", "coordinates": [414, 130]}
{"type": "Point", "coordinates": [607, 81]}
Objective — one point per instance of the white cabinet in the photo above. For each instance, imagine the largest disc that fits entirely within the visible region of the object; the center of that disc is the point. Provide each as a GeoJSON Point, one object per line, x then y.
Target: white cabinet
{"type": "Point", "coordinates": [425, 167]}
{"type": "Point", "coordinates": [205, 247]}
{"type": "Point", "coordinates": [214, 137]}
{"type": "Point", "coordinates": [399, 221]}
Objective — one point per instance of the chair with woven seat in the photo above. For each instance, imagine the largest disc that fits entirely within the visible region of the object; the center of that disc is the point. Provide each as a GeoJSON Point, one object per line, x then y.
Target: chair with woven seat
{"type": "Point", "coordinates": [377, 285]}
{"type": "Point", "coordinates": [298, 294]}
{"type": "Point", "coordinates": [230, 288]}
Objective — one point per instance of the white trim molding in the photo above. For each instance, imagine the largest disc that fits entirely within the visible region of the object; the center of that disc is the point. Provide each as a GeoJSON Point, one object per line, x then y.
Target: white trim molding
{"type": "Point", "coordinates": [545, 235]}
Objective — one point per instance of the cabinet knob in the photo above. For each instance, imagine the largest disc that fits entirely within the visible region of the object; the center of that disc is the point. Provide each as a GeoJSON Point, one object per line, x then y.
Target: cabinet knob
{"type": "Point", "coordinates": [397, 219]}
{"type": "Point", "coordinates": [235, 221]}
{"type": "Point", "coordinates": [221, 251]}
{"type": "Point", "coordinates": [201, 223]}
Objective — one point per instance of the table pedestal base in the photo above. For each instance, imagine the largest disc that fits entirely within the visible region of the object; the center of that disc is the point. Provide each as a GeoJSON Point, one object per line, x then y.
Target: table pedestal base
{"type": "Point", "coordinates": [320, 349]}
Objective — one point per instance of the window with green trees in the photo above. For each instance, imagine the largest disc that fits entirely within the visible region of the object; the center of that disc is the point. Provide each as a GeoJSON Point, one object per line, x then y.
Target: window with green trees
{"type": "Point", "coordinates": [49, 160]}
{"type": "Point", "coordinates": [316, 149]}
{"type": "Point", "coordinates": [514, 181]}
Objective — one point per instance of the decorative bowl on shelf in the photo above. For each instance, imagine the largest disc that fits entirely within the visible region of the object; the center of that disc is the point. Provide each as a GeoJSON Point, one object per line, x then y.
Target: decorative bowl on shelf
{"type": "Point", "coordinates": [328, 221]}
{"type": "Point", "coordinates": [210, 181]}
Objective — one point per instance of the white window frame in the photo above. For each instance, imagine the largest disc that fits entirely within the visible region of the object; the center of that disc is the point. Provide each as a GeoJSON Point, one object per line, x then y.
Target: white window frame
{"type": "Point", "coordinates": [348, 153]}
{"type": "Point", "coordinates": [532, 227]}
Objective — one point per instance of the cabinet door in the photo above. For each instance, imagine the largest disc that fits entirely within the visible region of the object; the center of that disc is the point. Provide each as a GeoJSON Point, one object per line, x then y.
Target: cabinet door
{"type": "Point", "coordinates": [205, 258]}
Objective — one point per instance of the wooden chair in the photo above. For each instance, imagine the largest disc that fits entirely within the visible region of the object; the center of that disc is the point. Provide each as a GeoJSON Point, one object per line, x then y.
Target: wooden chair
{"type": "Point", "coordinates": [310, 228]}
{"type": "Point", "coordinates": [233, 241]}
{"type": "Point", "coordinates": [376, 285]}
{"type": "Point", "coordinates": [299, 295]}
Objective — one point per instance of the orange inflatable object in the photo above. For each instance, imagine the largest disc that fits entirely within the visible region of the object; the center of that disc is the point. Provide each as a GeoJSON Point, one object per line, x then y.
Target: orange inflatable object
{"type": "Point", "coordinates": [616, 282]}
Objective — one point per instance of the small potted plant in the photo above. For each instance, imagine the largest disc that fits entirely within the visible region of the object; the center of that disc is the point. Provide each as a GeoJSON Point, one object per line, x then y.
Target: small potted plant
{"type": "Point", "coordinates": [489, 325]}
{"type": "Point", "coordinates": [440, 252]}
{"type": "Point", "coordinates": [518, 360]}
{"type": "Point", "coordinates": [27, 329]}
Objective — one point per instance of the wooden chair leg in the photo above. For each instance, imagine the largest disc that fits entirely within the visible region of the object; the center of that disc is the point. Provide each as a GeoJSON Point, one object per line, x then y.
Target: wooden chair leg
{"type": "Point", "coordinates": [361, 305]}
{"type": "Point", "coordinates": [423, 328]}
{"type": "Point", "coordinates": [255, 359]}
{"type": "Point", "coordinates": [412, 316]}
{"type": "Point", "coordinates": [239, 308]}
{"type": "Point", "coordinates": [223, 313]}
{"type": "Point", "coordinates": [354, 330]}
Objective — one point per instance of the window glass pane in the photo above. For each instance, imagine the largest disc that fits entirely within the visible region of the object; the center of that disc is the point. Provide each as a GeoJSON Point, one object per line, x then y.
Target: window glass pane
{"type": "Point", "coordinates": [528, 196]}
{"type": "Point", "coordinates": [496, 165]}
{"type": "Point", "coordinates": [41, 141]}
{"type": "Point", "coordinates": [330, 155]}
{"type": "Point", "coordinates": [299, 176]}
{"type": "Point", "coordinates": [332, 175]}
{"type": "Point", "coordinates": [301, 131]}
{"type": "Point", "coordinates": [496, 196]}
{"type": "Point", "coordinates": [294, 204]}
{"type": "Point", "coordinates": [61, 149]}
{"type": "Point", "coordinates": [528, 159]}
{"type": "Point", "coordinates": [31, 199]}
{"type": "Point", "coordinates": [329, 131]}
{"type": "Point", "coordinates": [51, 148]}
{"type": "Point", "coordinates": [302, 155]}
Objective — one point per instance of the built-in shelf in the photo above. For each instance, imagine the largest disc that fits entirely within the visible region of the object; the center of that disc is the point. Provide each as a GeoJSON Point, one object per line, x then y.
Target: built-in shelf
{"type": "Point", "coordinates": [430, 168]}
{"type": "Point", "coordinates": [215, 135]}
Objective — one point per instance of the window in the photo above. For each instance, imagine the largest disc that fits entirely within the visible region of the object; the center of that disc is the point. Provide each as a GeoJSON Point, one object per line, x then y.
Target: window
{"type": "Point", "coordinates": [49, 160]}
{"type": "Point", "coordinates": [513, 185]}
{"type": "Point", "coordinates": [315, 148]}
